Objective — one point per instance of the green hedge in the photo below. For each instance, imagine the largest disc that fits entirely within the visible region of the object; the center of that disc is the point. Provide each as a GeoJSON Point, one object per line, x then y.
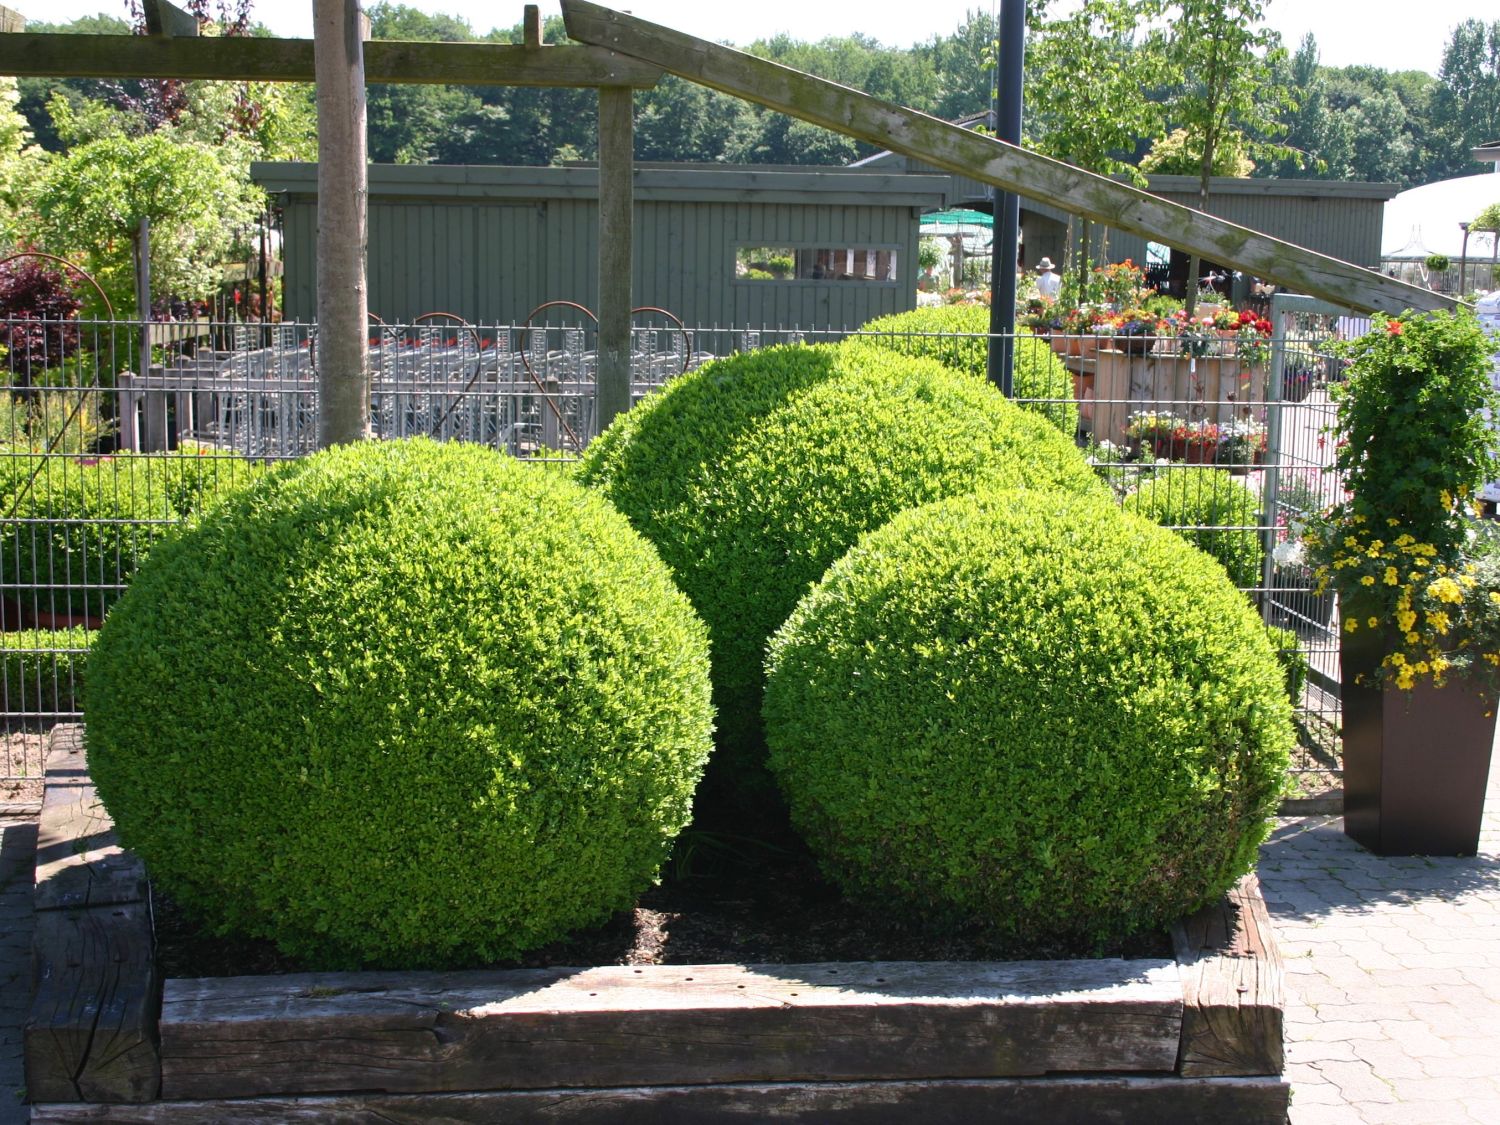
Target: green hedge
{"type": "Point", "coordinates": [83, 525]}
{"type": "Point", "coordinates": [403, 704]}
{"type": "Point", "coordinates": [41, 670]}
{"type": "Point", "coordinates": [1197, 503]}
{"type": "Point", "coordinates": [958, 335]}
{"type": "Point", "coordinates": [755, 472]}
{"type": "Point", "coordinates": [1031, 712]}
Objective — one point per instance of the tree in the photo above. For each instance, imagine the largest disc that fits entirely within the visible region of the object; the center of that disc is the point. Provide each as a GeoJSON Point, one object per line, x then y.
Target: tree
{"type": "Point", "coordinates": [21, 163]}
{"type": "Point", "coordinates": [1223, 87]}
{"type": "Point", "coordinates": [105, 197]}
{"type": "Point", "coordinates": [1319, 136]}
{"type": "Point", "coordinates": [1469, 97]}
{"type": "Point", "coordinates": [1085, 74]}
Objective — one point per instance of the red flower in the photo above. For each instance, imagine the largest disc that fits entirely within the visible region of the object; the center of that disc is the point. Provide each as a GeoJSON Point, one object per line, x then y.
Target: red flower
{"type": "Point", "coordinates": [1393, 327]}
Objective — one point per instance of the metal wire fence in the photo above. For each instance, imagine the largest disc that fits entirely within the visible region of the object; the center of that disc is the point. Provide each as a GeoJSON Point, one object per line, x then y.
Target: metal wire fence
{"type": "Point", "coordinates": [98, 459]}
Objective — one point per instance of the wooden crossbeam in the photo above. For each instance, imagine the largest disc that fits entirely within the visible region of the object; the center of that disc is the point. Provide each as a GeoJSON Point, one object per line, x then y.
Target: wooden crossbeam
{"type": "Point", "coordinates": [32, 55]}
{"type": "Point", "coordinates": [959, 150]}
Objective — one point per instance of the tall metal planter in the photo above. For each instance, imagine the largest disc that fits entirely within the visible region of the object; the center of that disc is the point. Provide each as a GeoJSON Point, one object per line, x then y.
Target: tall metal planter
{"type": "Point", "coordinates": [1415, 762]}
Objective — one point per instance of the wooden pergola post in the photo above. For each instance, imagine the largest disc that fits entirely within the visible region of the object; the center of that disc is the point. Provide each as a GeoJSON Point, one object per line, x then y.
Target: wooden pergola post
{"type": "Point", "coordinates": [616, 207]}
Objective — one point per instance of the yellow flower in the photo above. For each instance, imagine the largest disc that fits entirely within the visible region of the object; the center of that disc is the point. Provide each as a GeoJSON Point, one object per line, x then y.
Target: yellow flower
{"type": "Point", "coordinates": [1447, 498]}
{"type": "Point", "coordinates": [1367, 580]}
{"type": "Point", "coordinates": [1395, 659]}
{"type": "Point", "coordinates": [1405, 680]}
{"type": "Point", "coordinates": [1438, 620]}
{"type": "Point", "coordinates": [1495, 597]}
{"type": "Point", "coordinates": [1373, 622]}
{"type": "Point", "coordinates": [1392, 521]}
{"type": "Point", "coordinates": [1447, 590]}
{"type": "Point", "coordinates": [1412, 638]}
{"type": "Point", "coordinates": [1351, 625]}
{"type": "Point", "coordinates": [1391, 578]}
{"type": "Point", "coordinates": [1406, 619]}
{"type": "Point", "coordinates": [1351, 542]}
{"type": "Point", "coordinates": [1493, 657]}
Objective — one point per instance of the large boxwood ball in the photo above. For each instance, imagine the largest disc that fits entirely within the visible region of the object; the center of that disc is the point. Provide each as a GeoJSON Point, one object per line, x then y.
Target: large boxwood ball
{"type": "Point", "coordinates": [755, 472]}
{"type": "Point", "coordinates": [1028, 711]}
{"type": "Point", "coordinates": [958, 335]}
{"type": "Point", "coordinates": [401, 704]}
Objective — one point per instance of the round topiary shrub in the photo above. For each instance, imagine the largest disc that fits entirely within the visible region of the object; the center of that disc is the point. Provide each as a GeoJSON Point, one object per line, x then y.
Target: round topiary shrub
{"type": "Point", "coordinates": [1212, 511]}
{"type": "Point", "coordinates": [958, 335]}
{"type": "Point", "coordinates": [755, 472]}
{"type": "Point", "coordinates": [401, 704]}
{"type": "Point", "coordinates": [1032, 712]}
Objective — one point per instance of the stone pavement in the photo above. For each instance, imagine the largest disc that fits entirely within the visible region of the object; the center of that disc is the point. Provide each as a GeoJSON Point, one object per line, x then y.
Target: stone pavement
{"type": "Point", "coordinates": [1393, 974]}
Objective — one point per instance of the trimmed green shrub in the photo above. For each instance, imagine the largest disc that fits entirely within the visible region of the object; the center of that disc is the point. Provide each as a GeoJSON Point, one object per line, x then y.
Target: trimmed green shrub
{"type": "Point", "coordinates": [1028, 711]}
{"type": "Point", "coordinates": [404, 704]}
{"type": "Point", "coordinates": [80, 530]}
{"type": "Point", "coordinates": [195, 475]}
{"type": "Point", "coordinates": [1212, 511]}
{"type": "Point", "coordinates": [958, 335]}
{"type": "Point", "coordinates": [41, 669]}
{"type": "Point", "coordinates": [755, 472]}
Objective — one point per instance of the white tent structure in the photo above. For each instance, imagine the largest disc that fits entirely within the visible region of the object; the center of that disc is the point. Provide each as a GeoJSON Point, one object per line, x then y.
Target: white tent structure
{"type": "Point", "coordinates": [1426, 220]}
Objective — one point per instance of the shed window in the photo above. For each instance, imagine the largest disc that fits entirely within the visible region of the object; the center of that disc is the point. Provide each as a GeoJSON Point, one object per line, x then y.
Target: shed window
{"type": "Point", "coordinates": [789, 263]}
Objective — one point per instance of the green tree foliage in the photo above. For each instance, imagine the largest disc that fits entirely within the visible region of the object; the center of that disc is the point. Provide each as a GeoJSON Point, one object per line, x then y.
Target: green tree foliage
{"type": "Point", "coordinates": [20, 165]}
{"type": "Point", "coordinates": [1469, 97]}
{"type": "Point", "coordinates": [1223, 91]}
{"type": "Point", "coordinates": [93, 200]}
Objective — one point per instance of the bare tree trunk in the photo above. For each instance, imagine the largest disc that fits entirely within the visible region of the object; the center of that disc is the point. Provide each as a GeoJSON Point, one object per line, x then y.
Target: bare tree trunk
{"type": "Point", "coordinates": [343, 299]}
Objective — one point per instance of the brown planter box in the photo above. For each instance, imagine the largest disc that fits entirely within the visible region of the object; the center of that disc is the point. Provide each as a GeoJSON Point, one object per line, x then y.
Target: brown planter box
{"type": "Point", "coordinates": [1415, 762]}
{"type": "Point", "coordinates": [1196, 1037]}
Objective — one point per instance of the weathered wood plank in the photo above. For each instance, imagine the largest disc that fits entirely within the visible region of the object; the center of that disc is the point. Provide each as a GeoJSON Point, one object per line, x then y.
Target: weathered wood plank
{"type": "Point", "coordinates": [90, 1034]}
{"type": "Point", "coordinates": [1119, 1101]}
{"type": "Point", "coordinates": [616, 218]}
{"type": "Point", "coordinates": [1234, 988]}
{"type": "Point", "coordinates": [991, 161]}
{"type": "Point", "coordinates": [79, 861]}
{"type": "Point", "coordinates": [36, 55]}
{"type": "Point", "coordinates": [660, 1024]}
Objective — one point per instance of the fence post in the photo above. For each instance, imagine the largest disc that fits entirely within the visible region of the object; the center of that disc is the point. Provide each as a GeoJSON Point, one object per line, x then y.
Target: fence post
{"type": "Point", "coordinates": [128, 412]}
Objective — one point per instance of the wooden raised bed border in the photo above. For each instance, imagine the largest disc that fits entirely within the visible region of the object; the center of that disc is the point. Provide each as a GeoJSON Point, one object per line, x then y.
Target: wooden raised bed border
{"type": "Point", "coordinates": [1194, 1038]}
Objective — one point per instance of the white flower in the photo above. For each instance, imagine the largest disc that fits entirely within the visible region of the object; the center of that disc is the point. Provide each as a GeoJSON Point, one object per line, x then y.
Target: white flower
{"type": "Point", "coordinates": [1289, 553]}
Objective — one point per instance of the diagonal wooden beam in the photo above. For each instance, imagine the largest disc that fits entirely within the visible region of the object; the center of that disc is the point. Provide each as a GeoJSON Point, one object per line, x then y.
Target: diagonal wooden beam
{"type": "Point", "coordinates": [962, 151]}
{"type": "Point", "coordinates": [163, 18]}
{"type": "Point", "coordinates": [242, 58]}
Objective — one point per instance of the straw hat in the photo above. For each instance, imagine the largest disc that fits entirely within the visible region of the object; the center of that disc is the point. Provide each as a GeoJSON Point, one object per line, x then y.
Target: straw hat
{"type": "Point", "coordinates": [1044, 265]}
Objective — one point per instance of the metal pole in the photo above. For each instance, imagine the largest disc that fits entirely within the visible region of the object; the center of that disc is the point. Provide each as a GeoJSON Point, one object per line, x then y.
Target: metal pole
{"type": "Point", "coordinates": [1463, 260]}
{"type": "Point", "coordinates": [1007, 205]}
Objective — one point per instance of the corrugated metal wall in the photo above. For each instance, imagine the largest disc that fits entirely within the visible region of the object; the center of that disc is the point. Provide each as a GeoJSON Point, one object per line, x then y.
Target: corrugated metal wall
{"type": "Point", "coordinates": [494, 261]}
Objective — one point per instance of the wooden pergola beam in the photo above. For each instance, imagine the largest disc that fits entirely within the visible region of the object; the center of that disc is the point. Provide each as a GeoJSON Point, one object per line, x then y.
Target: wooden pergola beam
{"type": "Point", "coordinates": [246, 59]}
{"type": "Point", "coordinates": [959, 150]}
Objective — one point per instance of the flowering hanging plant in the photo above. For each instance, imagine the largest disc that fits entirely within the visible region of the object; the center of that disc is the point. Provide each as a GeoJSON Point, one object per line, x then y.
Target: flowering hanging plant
{"type": "Point", "coordinates": [1402, 551]}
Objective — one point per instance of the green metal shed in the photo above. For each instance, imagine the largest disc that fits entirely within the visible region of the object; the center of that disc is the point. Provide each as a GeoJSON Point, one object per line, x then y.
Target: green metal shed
{"type": "Point", "coordinates": [492, 243]}
{"type": "Point", "coordinates": [1340, 219]}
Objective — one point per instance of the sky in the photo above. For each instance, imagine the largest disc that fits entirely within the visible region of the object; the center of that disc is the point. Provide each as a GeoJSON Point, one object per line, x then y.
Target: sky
{"type": "Point", "coordinates": [1391, 34]}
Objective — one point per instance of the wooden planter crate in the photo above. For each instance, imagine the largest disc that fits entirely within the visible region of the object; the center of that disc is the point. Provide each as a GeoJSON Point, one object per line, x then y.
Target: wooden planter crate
{"type": "Point", "coordinates": [1195, 1038]}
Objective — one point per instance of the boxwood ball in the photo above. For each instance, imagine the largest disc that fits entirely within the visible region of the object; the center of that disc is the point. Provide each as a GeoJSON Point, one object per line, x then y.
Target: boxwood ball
{"type": "Point", "coordinates": [1030, 712]}
{"type": "Point", "coordinates": [401, 704]}
{"type": "Point", "coordinates": [754, 473]}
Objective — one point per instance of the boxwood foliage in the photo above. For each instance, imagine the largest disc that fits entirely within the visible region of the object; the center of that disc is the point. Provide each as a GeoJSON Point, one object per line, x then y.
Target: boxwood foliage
{"type": "Point", "coordinates": [1212, 511]}
{"type": "Point", "coordinates": [1028, 711]}
{"type": "Point", "coordinates": [81, 527]}
{"type": "Point", "coordinates": [755, 472]}
{"type": "Point", "coordinates": [401, 704]}
{"type": "Point", "coordinates": [958, 335]}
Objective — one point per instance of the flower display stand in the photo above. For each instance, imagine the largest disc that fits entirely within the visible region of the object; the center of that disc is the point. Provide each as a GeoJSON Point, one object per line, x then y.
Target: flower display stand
{"type": "Point", "coordinates": [1212, 389]}
{"type": "Point", "coordinates": [1415, 762]}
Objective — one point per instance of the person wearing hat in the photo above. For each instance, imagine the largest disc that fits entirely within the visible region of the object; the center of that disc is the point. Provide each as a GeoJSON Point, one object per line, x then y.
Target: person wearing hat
{"type": "Point", "coordinates": [1048, 284]}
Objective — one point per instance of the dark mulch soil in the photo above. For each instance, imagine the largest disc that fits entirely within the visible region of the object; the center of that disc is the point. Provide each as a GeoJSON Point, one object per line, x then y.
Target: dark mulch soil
{"type": "Point", "coordinates": [736, 901]}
